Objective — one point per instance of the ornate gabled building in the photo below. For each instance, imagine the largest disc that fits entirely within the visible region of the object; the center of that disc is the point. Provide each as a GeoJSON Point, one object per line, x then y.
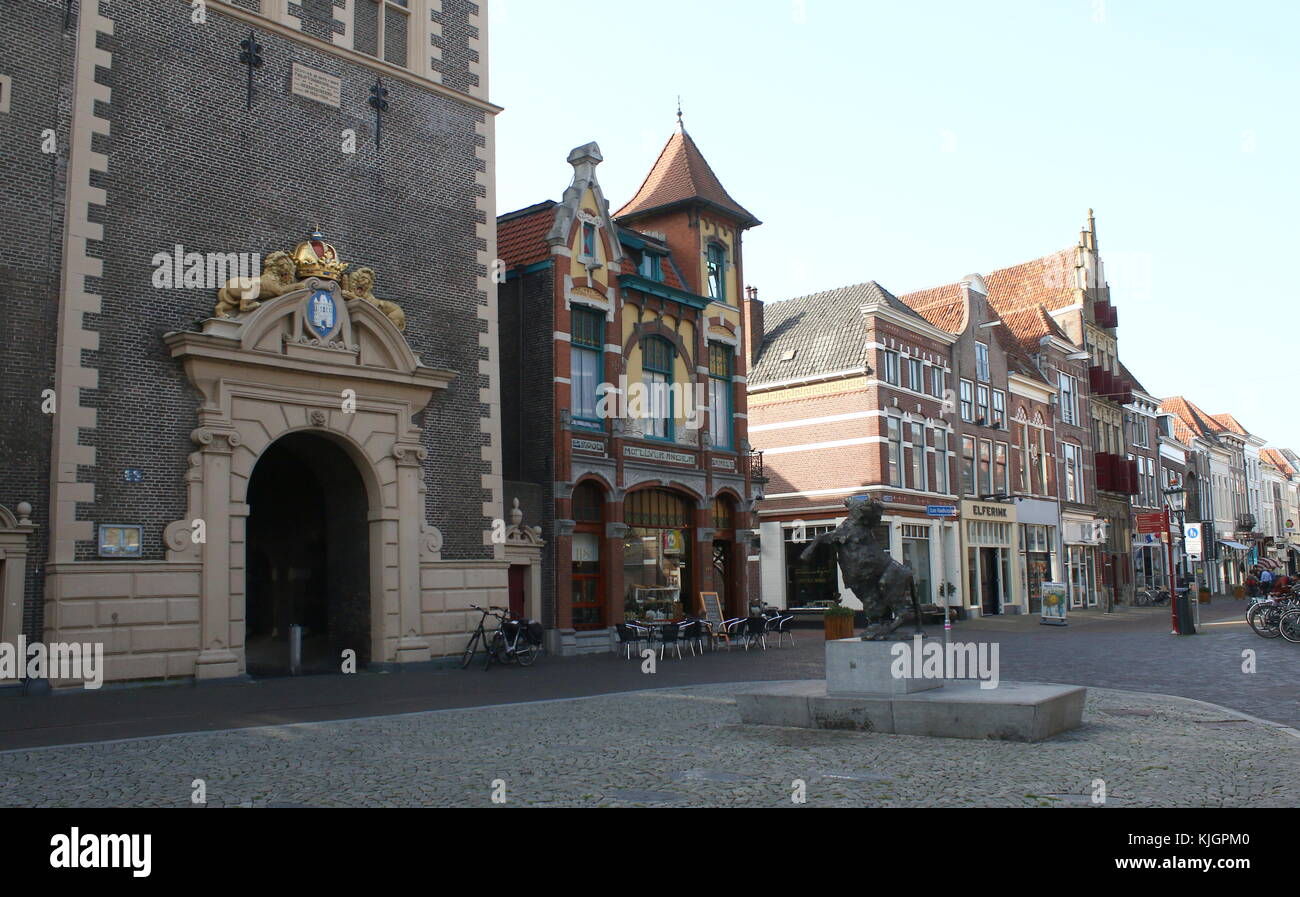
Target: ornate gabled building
{"type": "Point", "coordinates": [237, 429]}
{"type": "Point", "coordinates": [624, 362]}
{"type": "Point", "coordinates": [1069, 288]}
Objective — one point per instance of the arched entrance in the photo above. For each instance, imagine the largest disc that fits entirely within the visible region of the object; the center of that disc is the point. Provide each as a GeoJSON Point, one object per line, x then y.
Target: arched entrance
{"type": "Point", "coordinates": [307, 557]}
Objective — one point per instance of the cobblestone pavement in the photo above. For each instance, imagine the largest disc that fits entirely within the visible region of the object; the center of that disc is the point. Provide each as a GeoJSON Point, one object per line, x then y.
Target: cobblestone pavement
{"type": "Point", "coordinates": [673, 747]}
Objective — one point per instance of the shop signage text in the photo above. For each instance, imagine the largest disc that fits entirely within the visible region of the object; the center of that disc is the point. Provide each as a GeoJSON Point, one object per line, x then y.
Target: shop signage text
{"type": "Point", "coordinates": [636, 451]}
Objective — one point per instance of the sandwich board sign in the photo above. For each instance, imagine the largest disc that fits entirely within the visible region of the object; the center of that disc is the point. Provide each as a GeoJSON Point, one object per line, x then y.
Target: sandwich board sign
{"type": "Point", "coordinates": [1052, 610]}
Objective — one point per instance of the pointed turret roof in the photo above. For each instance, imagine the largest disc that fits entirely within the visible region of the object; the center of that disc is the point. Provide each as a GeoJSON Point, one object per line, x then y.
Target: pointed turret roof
{"type": "Point", "coordinates": [679, 175]}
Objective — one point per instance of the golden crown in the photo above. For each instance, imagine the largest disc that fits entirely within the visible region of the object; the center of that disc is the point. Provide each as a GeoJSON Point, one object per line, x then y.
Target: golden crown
{"type": "Point", "coordinates": [316, 258]}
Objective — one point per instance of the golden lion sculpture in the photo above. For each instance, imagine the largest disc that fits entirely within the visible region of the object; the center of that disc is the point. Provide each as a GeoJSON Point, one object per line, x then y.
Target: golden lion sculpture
{"type": "Point", "coordinates": [241, 293]}
{"type": "Point", "coordinates": [360, 284]}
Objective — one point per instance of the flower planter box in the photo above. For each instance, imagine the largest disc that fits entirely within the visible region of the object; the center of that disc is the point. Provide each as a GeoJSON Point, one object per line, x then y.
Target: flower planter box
{"type": "Point", "coordinates": [838, 626]}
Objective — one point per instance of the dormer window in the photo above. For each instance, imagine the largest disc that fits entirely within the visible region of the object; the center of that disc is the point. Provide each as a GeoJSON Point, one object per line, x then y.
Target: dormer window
{"type": "Point", "coordinates": [717, 257]}
{"type": "Point", "coordinates": [652, 266]}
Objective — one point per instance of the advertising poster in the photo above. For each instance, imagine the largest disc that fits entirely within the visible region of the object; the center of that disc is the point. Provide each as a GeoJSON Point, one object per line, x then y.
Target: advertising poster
{"type": "Point", "coordinates": [1052, 611]}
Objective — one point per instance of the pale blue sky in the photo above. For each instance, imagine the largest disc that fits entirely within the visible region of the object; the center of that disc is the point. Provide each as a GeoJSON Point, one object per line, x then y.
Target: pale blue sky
{"type": "Point", "coordinates": [914, 142]}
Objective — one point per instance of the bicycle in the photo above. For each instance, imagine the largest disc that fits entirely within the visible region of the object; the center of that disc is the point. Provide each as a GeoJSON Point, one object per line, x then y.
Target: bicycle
{"type": "Point", "coordinates": [1289, 625]}
{"type": "Point", "coordinates": [512, 640]}
{"type": "Point", "coordinates": [1264, 615]}
{"type": "Point", "coordinates": [1151, 597]}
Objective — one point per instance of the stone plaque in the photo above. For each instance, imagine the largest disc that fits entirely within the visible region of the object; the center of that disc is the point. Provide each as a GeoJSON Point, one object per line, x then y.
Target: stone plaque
{"type": "Point", "coordinates": [316, 85]}
{"type": "Point", "coordinates": [634, 451]}
{"type": "Point", "coordinates": [725, 463]}
{"type": "Point", "coordinates": [589, 445]}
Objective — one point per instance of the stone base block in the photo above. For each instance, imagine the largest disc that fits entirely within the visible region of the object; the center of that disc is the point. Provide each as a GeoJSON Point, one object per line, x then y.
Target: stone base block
{"type": "Point", "coordinates": [856, 667]}
{"type": "Point", "coordinates": [1014, 711]}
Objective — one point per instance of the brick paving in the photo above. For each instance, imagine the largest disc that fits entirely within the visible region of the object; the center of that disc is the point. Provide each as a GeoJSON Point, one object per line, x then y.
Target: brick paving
{"type": "Point", "coordinates": [672, 747]}
{"type": "Point", "coordinates": [1131, 650]}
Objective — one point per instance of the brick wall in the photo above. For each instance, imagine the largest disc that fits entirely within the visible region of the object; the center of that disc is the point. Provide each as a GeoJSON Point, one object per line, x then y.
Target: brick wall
{"type": "Point", "coordinates": [37, 54]}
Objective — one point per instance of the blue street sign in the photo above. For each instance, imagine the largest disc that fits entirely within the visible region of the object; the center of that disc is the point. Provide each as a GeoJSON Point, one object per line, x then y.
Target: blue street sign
{"type": "Point", "coordinates": [941, 510]}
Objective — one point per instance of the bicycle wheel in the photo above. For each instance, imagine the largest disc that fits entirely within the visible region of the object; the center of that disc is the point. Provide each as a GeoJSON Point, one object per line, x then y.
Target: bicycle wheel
{"type": "Point", "coordinates": [1142, 599]}
{"type": "Point", "coordinates": [468, 657]}
{"type": "Point", "coordinates": [496, 649]}
{"type": "Point", "coordinates": [1263, 620]}
{"type": "Point", "coordinates": [1289, 626]}
{"type": "Point", "coordinates": [525, 655]}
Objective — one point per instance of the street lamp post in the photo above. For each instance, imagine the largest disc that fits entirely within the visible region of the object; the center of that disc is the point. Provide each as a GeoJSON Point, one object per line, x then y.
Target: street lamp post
{"type": "Point", "coordinates": [1174, 499]}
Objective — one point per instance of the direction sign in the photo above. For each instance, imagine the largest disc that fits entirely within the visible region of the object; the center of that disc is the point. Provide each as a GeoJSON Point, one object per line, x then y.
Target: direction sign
{"type": "Point", "coordinates": [1192, 539]}
{"type": "Point", "coordinates": [941, 510]}
{"type": "Point", "coordinates": [1153, 522]}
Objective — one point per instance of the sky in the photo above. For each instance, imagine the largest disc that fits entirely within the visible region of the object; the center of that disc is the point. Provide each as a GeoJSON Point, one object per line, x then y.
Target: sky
{"type": "Point", "coordinates": [912, 143]}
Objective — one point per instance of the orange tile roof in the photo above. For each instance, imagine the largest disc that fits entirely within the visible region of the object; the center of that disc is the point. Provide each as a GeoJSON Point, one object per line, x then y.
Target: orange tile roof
{"type": "Point", "coordinates": [1048, 281]}
{"type": "Point", "coordinates": [1230, 423]}
{"type": "Point", "coordinates": [679, 174]}
{"type": "Point", "coordinates": [521, 235]}
{"type": "Point", "coordinates": [1196, 422]}
{"type": "Point", "coordinates": [942, 306]}
{"type": "Point", "coordinates": [1278, 460]}
{"type": "Point", "coordinates": [1030, 325]}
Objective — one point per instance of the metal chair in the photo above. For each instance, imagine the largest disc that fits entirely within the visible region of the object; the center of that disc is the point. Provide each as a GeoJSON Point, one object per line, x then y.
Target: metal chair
{"type": "Point", "coordinates": [780, 626]}
{"type": "Point", "coordinates": [732, 630]}
{"type": "Point", "coordinates": [669, 638]}
{"type": "Point", "coordinates": [756, 631]}
{"type": "Point", "coordinates": [629, 635]}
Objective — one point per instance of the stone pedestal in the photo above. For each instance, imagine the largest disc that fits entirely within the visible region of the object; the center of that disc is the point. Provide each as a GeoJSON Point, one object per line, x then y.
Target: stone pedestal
{"type": "Point", "coordinates": [855, 667]}
{"type": "Point", "coordinates": [860, 693]}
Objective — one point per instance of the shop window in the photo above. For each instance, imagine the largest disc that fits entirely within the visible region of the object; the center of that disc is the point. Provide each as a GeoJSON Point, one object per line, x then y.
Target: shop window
{"type": "Point", "coordinates": [656, 556]}
{"type": "Point", "coordinates": [724, 517]}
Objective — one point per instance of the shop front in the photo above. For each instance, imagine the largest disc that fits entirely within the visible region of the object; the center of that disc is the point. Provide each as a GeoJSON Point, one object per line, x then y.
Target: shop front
{"type": "Point", "coordinates": [1038, 526]}
{"type": "Point", "coordinates": [990, 559]}
{"type": "Point", "coordinates": [658, 579]}
{"type": "Point", "coordinates": [1080, 541]}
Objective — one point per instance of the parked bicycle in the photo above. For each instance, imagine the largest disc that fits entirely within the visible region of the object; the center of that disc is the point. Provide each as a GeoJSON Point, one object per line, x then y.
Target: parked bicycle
{"type": "Point", "coordinates": [1265, 615]}
{"type": "Point", "coordinates": [512, 640]}
{"type": "Point", "coordinates": [1151, 598]}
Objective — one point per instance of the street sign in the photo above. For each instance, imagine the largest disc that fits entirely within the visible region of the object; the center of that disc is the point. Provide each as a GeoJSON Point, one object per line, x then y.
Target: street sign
{"type": "Point", "coordinates": [941, 510]}
{"type": "Point", "coordinates": [1192, 541]}
{"type": "Point", "coordinates": [1153, 522]}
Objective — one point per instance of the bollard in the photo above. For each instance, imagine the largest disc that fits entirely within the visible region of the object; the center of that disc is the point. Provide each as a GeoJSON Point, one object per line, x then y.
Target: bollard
{"type": "Point", "coordinates": [295, 648]}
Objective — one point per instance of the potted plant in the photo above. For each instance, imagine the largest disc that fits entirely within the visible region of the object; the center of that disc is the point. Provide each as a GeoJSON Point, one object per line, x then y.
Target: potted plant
{"type": "Point", "coordinates": [838, 621]}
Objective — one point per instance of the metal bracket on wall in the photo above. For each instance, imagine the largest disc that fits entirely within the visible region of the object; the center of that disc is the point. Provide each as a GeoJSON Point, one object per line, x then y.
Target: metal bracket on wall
{"type": "Point", "coordinates": [379, 101]}
{"type": "Point", "coordinates": [250, 56]}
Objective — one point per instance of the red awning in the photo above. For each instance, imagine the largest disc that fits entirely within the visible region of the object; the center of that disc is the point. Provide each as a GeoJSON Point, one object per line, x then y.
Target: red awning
{"type": "Point", "coordinates": [1269, 563]}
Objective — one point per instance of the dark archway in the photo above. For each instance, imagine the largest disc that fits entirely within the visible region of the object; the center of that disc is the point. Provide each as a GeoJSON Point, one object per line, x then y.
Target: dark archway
{"type": "Point", "coordinates": [308, 558]}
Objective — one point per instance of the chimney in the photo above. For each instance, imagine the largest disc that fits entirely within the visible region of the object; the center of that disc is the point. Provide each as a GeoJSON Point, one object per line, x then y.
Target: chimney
{"type": "Point", "coordinates": [753, 323]}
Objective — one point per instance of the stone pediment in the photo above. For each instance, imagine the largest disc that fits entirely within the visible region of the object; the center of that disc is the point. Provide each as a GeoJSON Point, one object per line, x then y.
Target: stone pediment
{"type": "Point", "coordinates": [314, 330]}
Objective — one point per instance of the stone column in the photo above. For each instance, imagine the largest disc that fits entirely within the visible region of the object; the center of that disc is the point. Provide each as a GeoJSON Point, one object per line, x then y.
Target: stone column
{"type": "Point", "coordinates": [411, 645]}
{"type": "Point", "coordinates": [216, 660]}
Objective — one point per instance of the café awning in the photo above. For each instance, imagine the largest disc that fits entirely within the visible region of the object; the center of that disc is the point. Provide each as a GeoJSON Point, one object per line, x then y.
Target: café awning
{"type": "Point", "coordinates": [1237, 545]}
{"type": "Point", "coordinates": [1269, 563]}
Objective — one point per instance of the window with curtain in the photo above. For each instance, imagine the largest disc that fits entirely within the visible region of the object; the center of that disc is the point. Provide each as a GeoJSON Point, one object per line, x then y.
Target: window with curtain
{"type": "Point", "coordinates": [587, 365]}
{"type": "Point", "coordinates": [891, 368]}
{"type": "Point", "coordinates": [986, 467]}
{"type": "Point", "coordinates": [968, 465]}
{"type": "Point", "coordinates": [1072, 458]}
{"type": "Point", "coordinates": [589, 240]}
{"type": "Point", "coordinates": [657, 373]}
{"type": "Point", "coordinates": [721, 360]}
{"type": "Point", "coordinates": [940, 461]}
{"type": "Point", "coordinates": [918, 457]}
{"type": "Point", "coordinates": [999, 409]}
{"type": "Point", "coordinates": [894, 434]}
{"type": "Point", "coordinates": [982, 362]}
{"type": "Point", "coordinates": [915, 378]}
{"type": "Point", "coordinates": [1000, 469]}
